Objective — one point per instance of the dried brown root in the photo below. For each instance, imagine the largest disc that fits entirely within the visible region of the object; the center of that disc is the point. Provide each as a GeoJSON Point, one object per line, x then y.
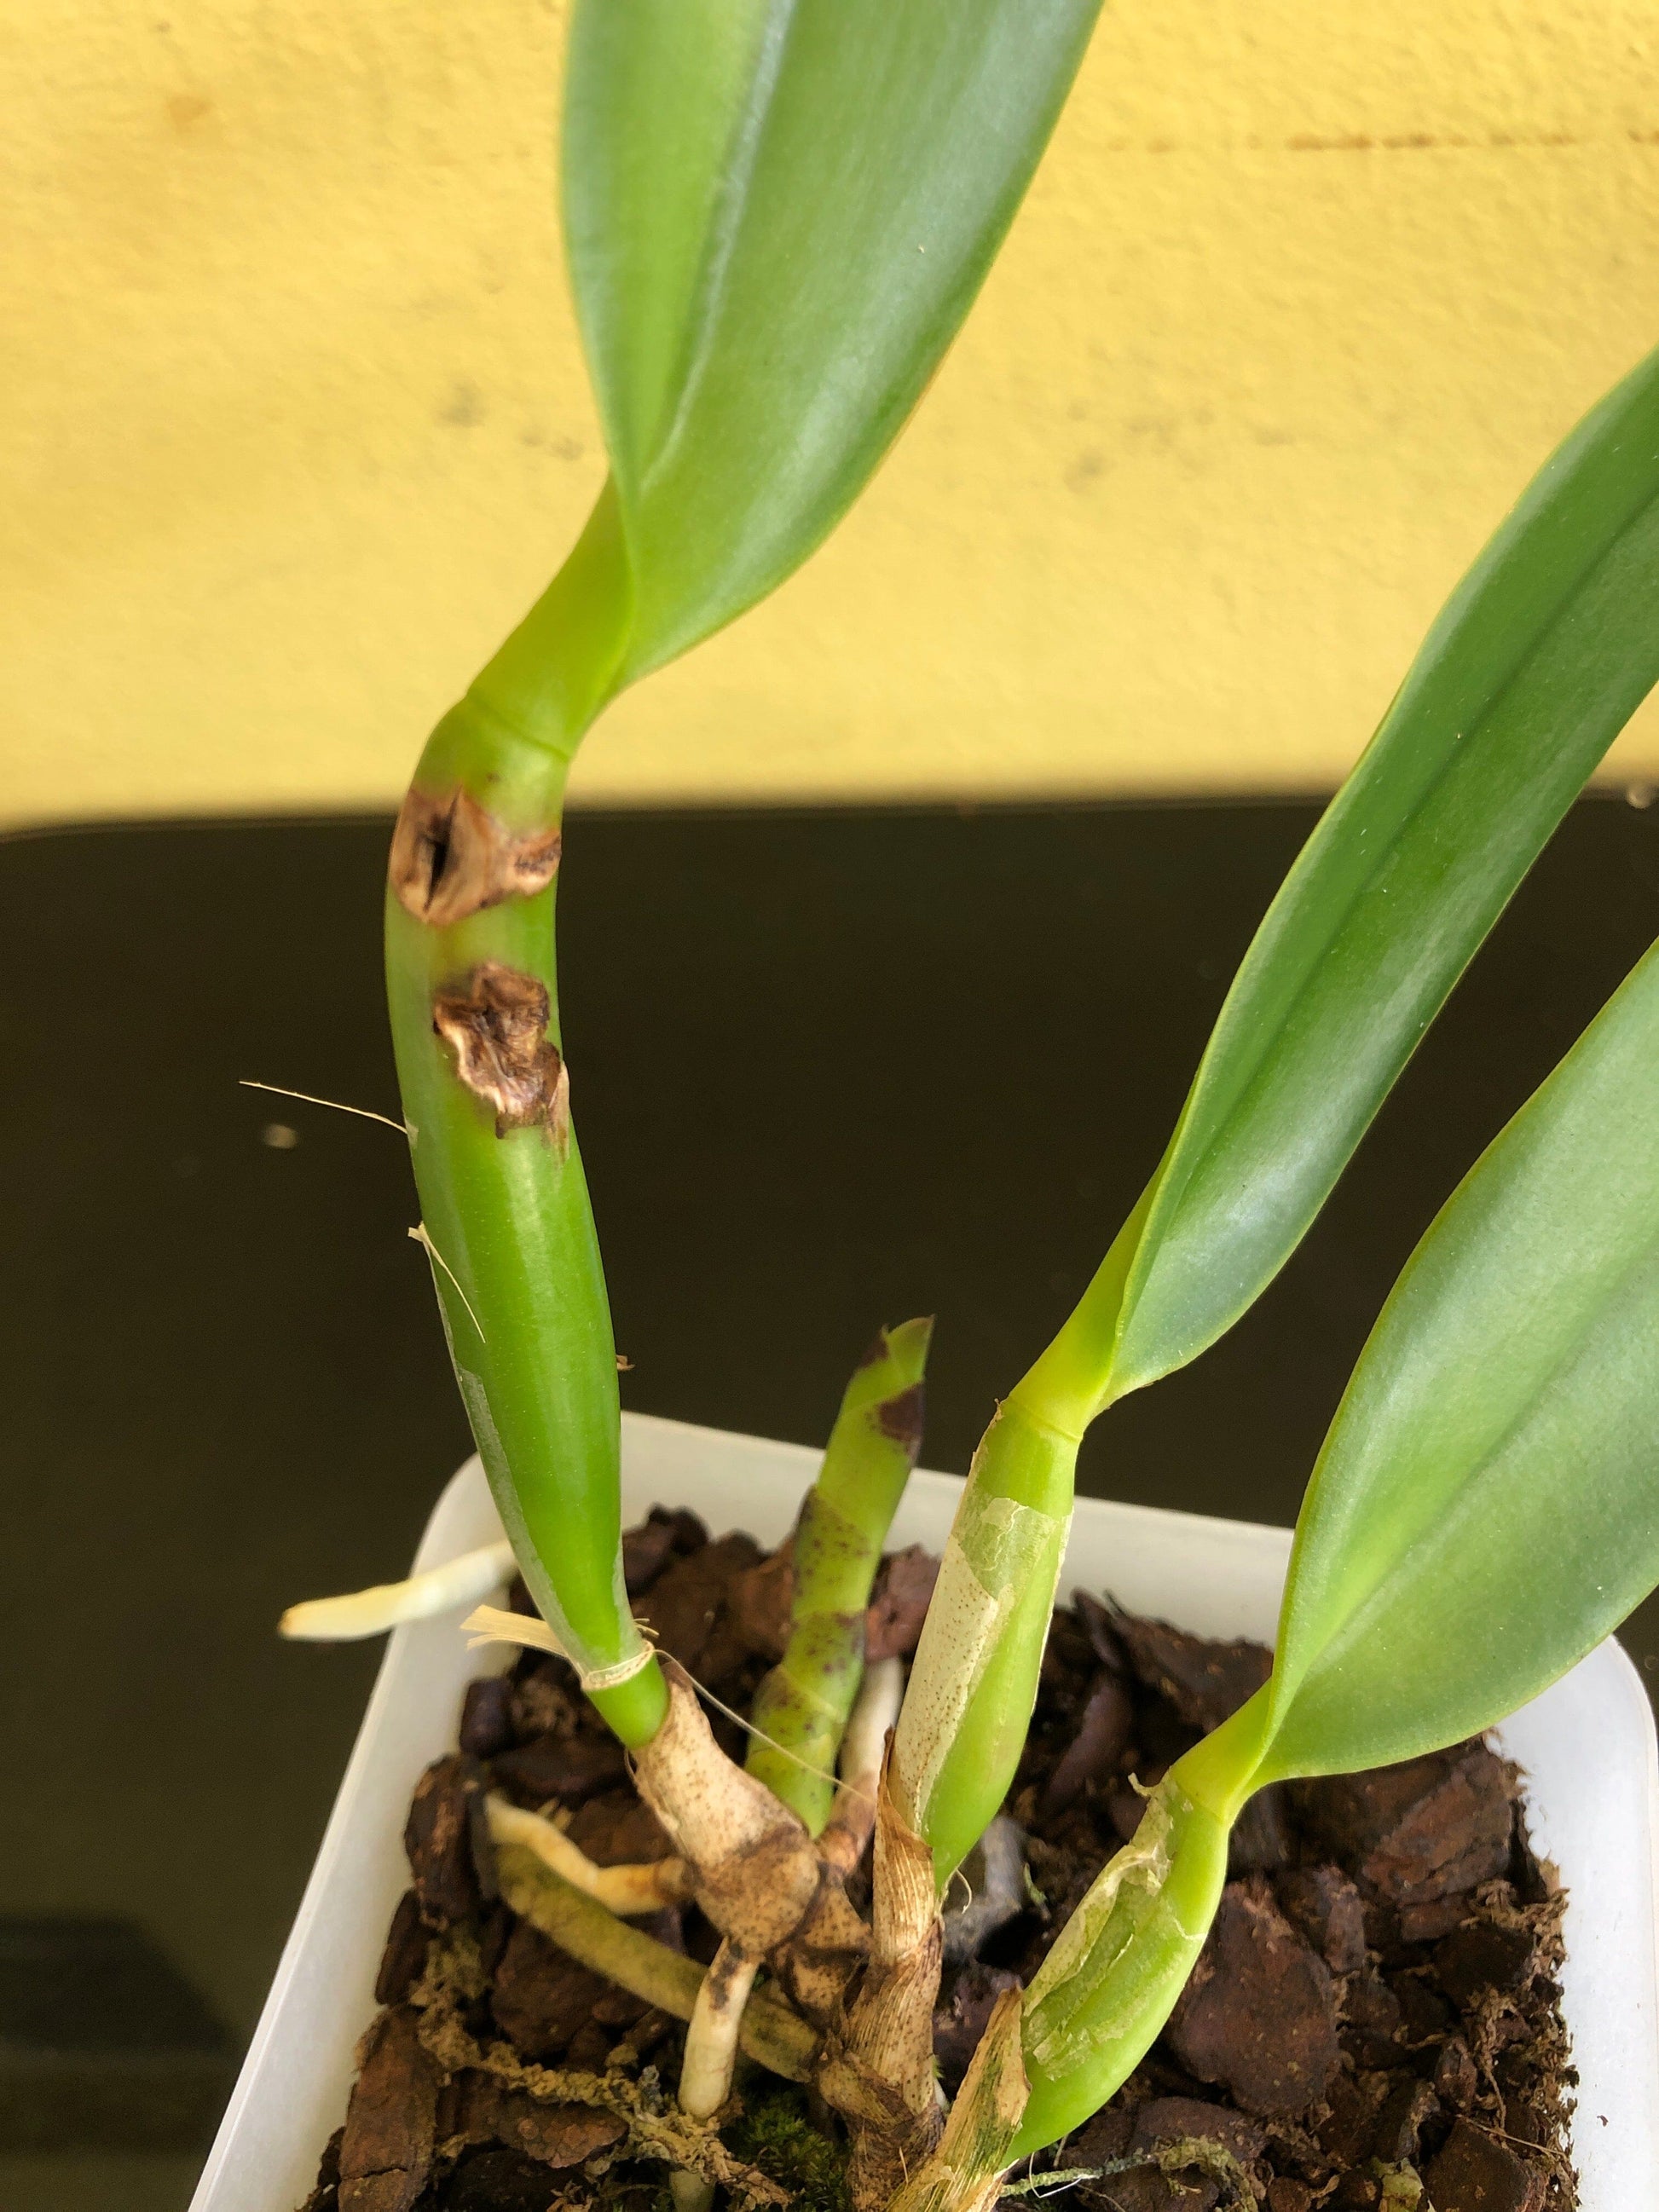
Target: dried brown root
{"type": "Point", "coordinates": [494, 1021]}
{"type": "Point", "coordinates": [755, 1869]}
{"type": "Point", "coordinates": [453, 1978]}
{"type": "Point", "coordinates": [878, 2071]}
{"type": "Point", "coordinates": [623, 1890]}
{"type": "Point", "coordinates": [770, 2032]}
{"type": "Point", "coordinates": [451, 858]}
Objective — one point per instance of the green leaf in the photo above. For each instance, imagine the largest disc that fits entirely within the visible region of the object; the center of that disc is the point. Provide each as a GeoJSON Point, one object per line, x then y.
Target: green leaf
{"type": "Point", "coordinates": [1486, 1505]}
{"type": "Point", "coordinates": [778, 212]}
{"type": "Point", "coordinates": [1541, 655]}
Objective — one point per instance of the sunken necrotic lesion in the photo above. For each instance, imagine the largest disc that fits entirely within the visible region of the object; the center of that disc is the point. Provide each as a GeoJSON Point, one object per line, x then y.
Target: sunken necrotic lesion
{"type": "Point", "coordinates": [495, 1023]}
{"type": "Point", "coordinates": [451, 858]}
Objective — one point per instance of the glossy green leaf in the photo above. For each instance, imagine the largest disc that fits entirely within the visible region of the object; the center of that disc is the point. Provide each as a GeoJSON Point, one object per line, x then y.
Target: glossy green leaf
{"type": "Point", "coordinates": [778, 212]}
{"type": "Point", "coordinates": [1538, 660]}
{"type": "Point", "coordinates": [1487, 1506]}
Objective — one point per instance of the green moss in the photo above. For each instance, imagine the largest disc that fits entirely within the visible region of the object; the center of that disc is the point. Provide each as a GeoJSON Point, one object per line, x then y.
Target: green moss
{"type": "Point", "coordinates": [775, 2133]}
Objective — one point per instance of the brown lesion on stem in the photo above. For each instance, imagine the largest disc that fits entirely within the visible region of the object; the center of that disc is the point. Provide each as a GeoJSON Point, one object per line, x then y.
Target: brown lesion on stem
{"type": "Point", "coordinates": [496, 1022]}
{"type": "Point", "coordinates": [451, 857]}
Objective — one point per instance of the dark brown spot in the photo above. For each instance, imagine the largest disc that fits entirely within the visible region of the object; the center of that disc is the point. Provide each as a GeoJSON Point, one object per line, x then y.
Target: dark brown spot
{"type": "Point", "coordinates": [496, 1024]}
{"type": "Point", "coordinates": [451, 858]}
{"type": "Point", "coordinates": [900, 1418]}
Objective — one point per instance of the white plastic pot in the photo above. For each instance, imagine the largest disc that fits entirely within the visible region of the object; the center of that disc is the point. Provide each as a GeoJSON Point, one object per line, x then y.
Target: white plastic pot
{"type": "Point", "coordinates": [1587, 1745]}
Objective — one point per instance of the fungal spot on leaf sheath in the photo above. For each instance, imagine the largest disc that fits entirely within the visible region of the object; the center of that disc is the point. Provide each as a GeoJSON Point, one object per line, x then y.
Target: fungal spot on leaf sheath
{"type": "Point", "coordinates": [451, 858]}
{"type": "Point", "coordinates": [900, 1418]}
{"type": "Point", "coordinates": [496, 1025]}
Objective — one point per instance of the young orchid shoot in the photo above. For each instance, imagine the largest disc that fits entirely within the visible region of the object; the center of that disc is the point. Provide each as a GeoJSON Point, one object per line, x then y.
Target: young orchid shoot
{"type": "Point", "coordinates": [1541, 655]}
{"type": "Point", "coordinates": [801, 1709]}
{"type": "Point", "coordinates": [1505, 1402]}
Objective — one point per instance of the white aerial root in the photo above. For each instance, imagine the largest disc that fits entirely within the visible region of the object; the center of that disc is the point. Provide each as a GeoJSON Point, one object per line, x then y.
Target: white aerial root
{"type": "Point", "coordinates": [458, 1582]}
{"type": "Point", "coordinates": [854, 1812]}
{"type": "Point", "coordinates": [711, 2054]}
{"type": "Point", "coordinates": [623, 1890]}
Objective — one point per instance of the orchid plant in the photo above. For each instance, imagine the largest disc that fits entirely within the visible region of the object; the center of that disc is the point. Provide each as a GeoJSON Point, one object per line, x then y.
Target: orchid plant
{"type": "Point", "coordinates": [777, 214]}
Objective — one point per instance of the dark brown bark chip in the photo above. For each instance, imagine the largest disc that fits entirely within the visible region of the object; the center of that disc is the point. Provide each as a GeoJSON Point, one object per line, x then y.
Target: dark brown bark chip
{"type": "Point", "coordinates": [542, 1997]}
{"type": "Point", "coordinates": [446, 1838]}
{"type": "Point", "coordinates": [555, 2134]}
{"type": "Point", "coordinates": [1425, 2017]}
{"type": "Point", "coordinates": [385, 2153]}
{"type": "Point", "coordinates": [761, 1599]}
{"type": "Point", "coordinates": [1144, 2189]}
{"type": "Point", "coordinates": [1259, 2012]}
{"type": "Point", "coordinates": [1178, 2119]}
{"type": "Point", "coordinates": [959, 2019]}
{"type": "Point", "coordinates": [1206, 1681]}
{"type": "Point", "coordinates": [1355, 2102]}
{"type": "Point", "coordinates": [1124, 1808]}
{"type": "Point", "coordinates": [325, 2197]}
{"type": "Point", "coordinates": [546, 1700]}
{"type": "Point", "coordinates": [902, 1591]}
{"type": "Point", "coordinates": [688, 1610]}
{"type": "Point", "coordinates": [1261, 1842]}
{"type": "Point", "coordinates": [1097, 1621]}
{"type": "Point", "coordinates": [1286, 2194]}
{"type": "Point", "coordinates": [1423, 1831]}
{"type": "Point", "coordinates": [1484, 1956]}
{"type": "Point", "coordinates": [1092, 1756]}
{"type": "Point", "coordinates": [404, 1959]}
{"type": "Point", "coordinates": [1427, 1924]}
{"type": "Point", "coordinates": [1325, 1905]}
{"type": "Point", "coordinates": [1455, 2081]}
{"type": "Point", "coordinates": [1372, 2021]}
{"type": "Point", "coordinates": [497, 2180]}
{"type": "Point", "coordinates": [1473, 2171]}
{"type": "Point", "coordinates": [1408, 2108]}
{"type": "Point", "coordinates": [487, 1715]}
{"type": "Point", "coordinates": [571, 1768]}
{"type": "Point", "coordinates": [660, 1537]}
{"type": "Point", "coordinates": [617, 1829]}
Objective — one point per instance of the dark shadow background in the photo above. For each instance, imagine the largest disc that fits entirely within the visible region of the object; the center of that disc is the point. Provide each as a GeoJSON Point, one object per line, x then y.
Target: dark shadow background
{"type": "Point", "coordinates": [830, 1069]}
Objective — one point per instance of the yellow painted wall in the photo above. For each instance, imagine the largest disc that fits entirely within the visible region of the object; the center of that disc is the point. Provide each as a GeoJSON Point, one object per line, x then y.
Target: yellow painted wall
{"type": "Point", "coordinates": [295, 424]}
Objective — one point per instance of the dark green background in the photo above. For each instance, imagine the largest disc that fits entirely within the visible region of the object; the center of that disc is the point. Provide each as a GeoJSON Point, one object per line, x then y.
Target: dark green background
{"type": "Point", "coordinates": [830, 1069]}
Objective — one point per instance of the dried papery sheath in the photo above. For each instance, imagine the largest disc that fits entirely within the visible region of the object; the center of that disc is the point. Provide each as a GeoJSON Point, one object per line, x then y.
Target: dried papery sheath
{"type": "Point", "coordinates": [877, 2068]}
{"type": "Point", "coordinates": [488, 1624]}
{"type": "Point", "coordinates": [458, 1582]}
